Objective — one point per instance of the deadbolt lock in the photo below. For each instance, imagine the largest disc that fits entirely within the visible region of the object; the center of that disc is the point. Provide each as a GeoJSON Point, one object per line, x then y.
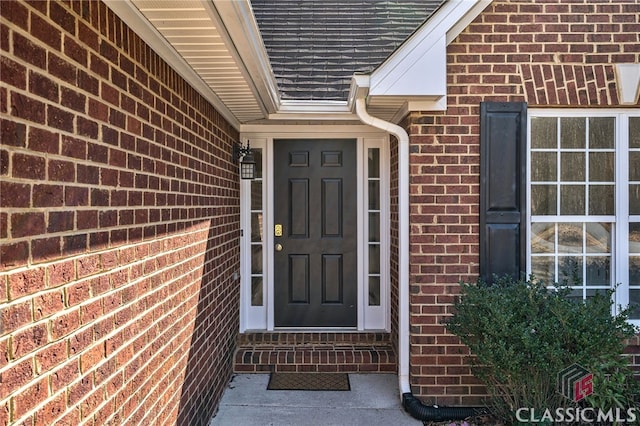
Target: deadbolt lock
{"type": "Point", "coordinates": [277, 231]}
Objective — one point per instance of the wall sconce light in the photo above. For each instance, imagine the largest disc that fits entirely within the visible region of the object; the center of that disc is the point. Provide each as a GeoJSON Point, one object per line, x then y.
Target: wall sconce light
{"type": "Point", "coordinates": [244, 155]}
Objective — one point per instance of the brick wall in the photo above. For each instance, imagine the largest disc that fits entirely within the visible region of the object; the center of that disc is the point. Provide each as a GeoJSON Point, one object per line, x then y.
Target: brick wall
{"type": "Point", "coordinates": [548, 53]}
{"type": "Point", "coordinates": [119, 227]}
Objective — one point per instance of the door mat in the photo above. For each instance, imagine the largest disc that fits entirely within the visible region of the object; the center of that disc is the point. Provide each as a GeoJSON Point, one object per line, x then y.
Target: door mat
{"type": "Point", "coordinates": [309, 381]}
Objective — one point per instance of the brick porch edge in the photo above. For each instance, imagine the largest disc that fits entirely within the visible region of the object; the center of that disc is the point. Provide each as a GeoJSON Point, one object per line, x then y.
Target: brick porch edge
{"type": "Point", "coordinates": [315, 352]}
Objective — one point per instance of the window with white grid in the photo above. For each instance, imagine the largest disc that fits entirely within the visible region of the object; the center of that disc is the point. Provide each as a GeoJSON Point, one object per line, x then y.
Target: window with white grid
{"type": "Point", "coordinates": [584, 201]}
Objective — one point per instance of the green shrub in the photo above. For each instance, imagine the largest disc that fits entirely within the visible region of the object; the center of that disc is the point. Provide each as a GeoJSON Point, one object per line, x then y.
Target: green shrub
{"type": "Point", "coordinates": [522, 334]}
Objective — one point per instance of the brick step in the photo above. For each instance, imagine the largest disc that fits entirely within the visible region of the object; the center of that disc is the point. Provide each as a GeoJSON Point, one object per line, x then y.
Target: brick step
{"type": "Point", "coordinates": [315, 352]}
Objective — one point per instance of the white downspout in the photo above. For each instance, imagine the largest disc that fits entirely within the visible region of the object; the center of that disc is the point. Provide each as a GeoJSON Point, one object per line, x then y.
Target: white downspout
{"type": "Point", "coordinates": [403, 237]}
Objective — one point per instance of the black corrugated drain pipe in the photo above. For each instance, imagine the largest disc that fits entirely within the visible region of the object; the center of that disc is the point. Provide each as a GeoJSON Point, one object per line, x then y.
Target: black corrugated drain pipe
{"type": "Point", "coordinates": [411, 404]}
{"type": "Point", "coordinates": [435, 413]}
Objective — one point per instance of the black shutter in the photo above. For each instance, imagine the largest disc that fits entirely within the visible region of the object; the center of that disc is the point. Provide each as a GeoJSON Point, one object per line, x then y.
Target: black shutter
{"type": "Point", "coordinates": [503, 136]}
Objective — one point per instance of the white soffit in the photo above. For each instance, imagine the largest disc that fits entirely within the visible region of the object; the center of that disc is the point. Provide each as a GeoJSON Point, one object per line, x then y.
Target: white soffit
{"type": "Point", "coordinates": [185, 34]}
{"type": "Point", "coordinates": [242, 32]}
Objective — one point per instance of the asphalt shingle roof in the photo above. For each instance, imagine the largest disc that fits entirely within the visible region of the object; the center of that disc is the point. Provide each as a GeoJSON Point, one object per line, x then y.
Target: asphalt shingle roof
{"type": "Point", "coordinates": [315, 46]}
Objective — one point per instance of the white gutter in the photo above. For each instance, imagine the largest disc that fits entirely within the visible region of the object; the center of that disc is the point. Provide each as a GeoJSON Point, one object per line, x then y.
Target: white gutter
{"type": "Point", "coordinates": [403, 236]}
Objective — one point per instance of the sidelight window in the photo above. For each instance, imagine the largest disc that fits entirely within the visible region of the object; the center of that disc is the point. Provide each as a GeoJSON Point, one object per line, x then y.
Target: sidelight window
{"type": "Point", "coordinates": [373, 218]}
{"type": "Point", "coordinates": [257, 233]}
{"type": "Point", "coordinates": [375, 234]}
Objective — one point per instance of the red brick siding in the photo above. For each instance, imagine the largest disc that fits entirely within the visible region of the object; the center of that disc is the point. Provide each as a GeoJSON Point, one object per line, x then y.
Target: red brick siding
{"type": "Point", "coordinates": [119, 227]}
{"type": "Point", "coordinates": [576, 85]}
{"type": "Point", "coordinates": [548, 53]}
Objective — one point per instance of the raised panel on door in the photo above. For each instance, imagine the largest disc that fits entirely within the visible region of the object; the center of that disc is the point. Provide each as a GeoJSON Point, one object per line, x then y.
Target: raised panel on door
{"type": "Point", "coordinates": [315, 259]}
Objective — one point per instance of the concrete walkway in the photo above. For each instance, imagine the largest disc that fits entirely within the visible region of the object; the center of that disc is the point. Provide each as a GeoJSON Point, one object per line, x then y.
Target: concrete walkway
{"type": "Point", "coordinates": [372, 400]}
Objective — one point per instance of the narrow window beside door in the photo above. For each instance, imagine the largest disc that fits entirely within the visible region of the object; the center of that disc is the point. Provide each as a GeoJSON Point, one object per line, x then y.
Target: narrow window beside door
{"type": "Point", "coordinates": [257, 234]}
{"type": "Point", "coordinates": [373, 217]}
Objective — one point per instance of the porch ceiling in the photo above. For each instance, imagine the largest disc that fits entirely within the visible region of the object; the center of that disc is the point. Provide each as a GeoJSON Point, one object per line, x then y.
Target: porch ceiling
{"type": "Point", "coordinates": [190, 36]}
{"type": "Point", "coordinates": [217, 47]}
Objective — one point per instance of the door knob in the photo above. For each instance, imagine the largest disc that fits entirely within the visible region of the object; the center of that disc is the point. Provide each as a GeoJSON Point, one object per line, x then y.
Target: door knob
{"type": "Point", "coordinates": [278, 247]}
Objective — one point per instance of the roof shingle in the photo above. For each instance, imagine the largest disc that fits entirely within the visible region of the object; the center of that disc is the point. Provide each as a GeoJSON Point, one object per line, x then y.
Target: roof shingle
{"type": "Point", "coordinates": [315, 46]}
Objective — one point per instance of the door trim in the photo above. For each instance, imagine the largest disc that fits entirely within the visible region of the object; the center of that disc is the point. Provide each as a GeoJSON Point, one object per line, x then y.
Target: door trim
{"type": "Point", "coordinates": [262, 317]}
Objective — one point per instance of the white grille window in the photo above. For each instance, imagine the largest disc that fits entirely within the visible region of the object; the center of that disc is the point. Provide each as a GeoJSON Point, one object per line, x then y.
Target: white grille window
{"type": "Point", "coordinates": [584, 201]}
{"type": "Point", "coordinates": [257, 234]}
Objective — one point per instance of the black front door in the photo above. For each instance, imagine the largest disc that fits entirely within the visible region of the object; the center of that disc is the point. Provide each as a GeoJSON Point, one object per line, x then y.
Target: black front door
{"type": "Point", "coordinates": [315, 233]}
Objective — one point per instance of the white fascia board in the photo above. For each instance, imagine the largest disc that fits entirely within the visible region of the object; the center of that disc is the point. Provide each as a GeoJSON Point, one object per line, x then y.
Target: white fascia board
{"type": "Point", "coordinates": [470, 15]}
{"type": "Point", "coordinates": [131, 16]}
{"type": "Point", "coordinates": [313, 110]}
{"type": "Point", "coordinates": [283, 130]}
{"type": "Point", "coordinates": [314, 115]}
{"type": "Point", "coordinates": [243, 35]}
{"type": "Point", "coordinates": [419, 66]}
{"type": "Point", "coordinates": [424, 105]}
{"type": "Point", "coordinates": [312, 106]}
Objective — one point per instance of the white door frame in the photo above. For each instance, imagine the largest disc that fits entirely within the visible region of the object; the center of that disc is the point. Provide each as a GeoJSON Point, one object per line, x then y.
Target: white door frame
{"type": "Point", "coordinates": [262, 317]}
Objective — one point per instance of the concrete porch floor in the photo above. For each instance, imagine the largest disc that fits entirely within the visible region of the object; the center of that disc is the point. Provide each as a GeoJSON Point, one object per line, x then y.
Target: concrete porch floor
{"type": "Point", "coordinates": [372, 400]}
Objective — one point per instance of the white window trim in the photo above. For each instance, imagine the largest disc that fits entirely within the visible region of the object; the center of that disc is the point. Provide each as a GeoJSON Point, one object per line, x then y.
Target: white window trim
{"type": "Point", "coordinates": [253, 317]}
{"type": "Point", "coordinates": [621, 219]}
{"type": "Point", "coordinates": [370, 318]}
{"type": "Point", "coordinates": [375, 317]}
